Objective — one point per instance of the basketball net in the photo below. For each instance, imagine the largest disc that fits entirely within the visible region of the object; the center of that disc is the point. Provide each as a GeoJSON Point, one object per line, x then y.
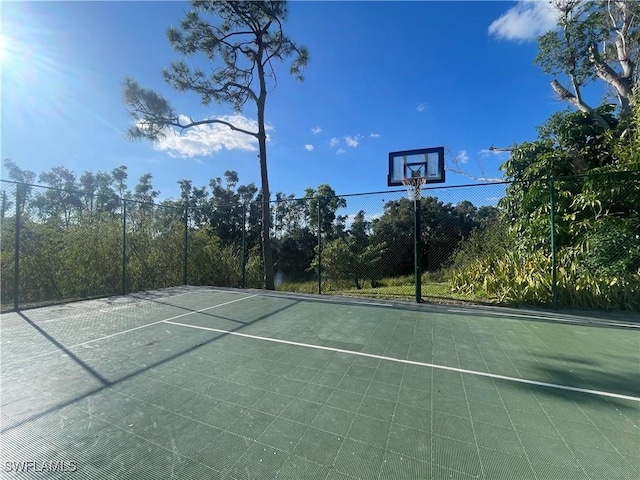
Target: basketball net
{"type": "Point", "coordinates": [414, 187]}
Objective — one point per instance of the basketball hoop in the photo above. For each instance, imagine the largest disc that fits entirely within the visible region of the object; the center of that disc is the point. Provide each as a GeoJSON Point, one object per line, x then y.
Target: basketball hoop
{"type": "Point", "coordinates": [414, 187]}
{"type": "Point", "coordinates": [413, 169]}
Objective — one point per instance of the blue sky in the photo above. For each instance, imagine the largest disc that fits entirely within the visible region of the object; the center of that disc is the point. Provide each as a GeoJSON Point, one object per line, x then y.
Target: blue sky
{"type": "Point", "coordinates": [382, 76]}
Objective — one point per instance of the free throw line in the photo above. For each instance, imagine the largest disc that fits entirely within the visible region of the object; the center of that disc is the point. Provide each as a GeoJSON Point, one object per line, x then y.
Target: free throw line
{"type": "Point", "coordinates": [412, 362]}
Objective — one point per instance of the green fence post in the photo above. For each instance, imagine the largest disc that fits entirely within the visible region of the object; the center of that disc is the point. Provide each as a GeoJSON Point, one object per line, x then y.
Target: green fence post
{"type": "Point", "coordinates": [185, 253]}
{"type": "Point", "coordinates": [417, 253]}
{"type": "Point", "coordinates": [244, 245]}
{"type": "Point", "coordinates": [554, 278]}
{"type": "Point", "coordinates": [16, 252]}
{"type": "Point", "coordinates": [319, 250]}
{"type": "Point", "coordinates": [124, 247]}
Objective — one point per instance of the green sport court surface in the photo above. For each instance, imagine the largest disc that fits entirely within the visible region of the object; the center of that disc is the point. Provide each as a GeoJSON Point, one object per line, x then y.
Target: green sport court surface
{"type": "Point", "coordinates": [194, 383]}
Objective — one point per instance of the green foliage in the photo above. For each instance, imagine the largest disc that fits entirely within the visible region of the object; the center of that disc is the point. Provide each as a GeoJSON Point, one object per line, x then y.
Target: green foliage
{"type": "Point", "coordinates": [307, 286]}
{"type": "Point", "coordinates": [485, 241]}
{"type": "Point", "coordinates": [73, 249]}
{"type": "Point", "coordinates": [512, 279]}
{"type": "Point", "coordinates": [63, 263]}
{"type": "Point", "coordinates": [579, 284]}
{"type": "Point", "coordinates": [255, 269]}
{"type": "Point", "coordinates": [344, 259]}
{"type": "Point", "coordinates": [565, 50]}
{"type": "Point", "coordinates": [391, 288]}
{"type": "Point", "coordinates": [211, 263]}
{"type": "Point", "coordinates": [86, 261]}
{"type": "Point", "coordinates": [295, 252]}
{"type": "Point", "coordinates": [570, 144]}
{"type": "Point", "coordinates": [243, 38]}
{"type": "Point", "coordinates": [613, 248]}
{"type": "Point", "coordinates": [589, 172]}
{"type": "Point", "coordinates": [7, 256]}
{"type": "Point", "coordinates": [627, 148]}
{"type": "Point", "coordinates": [593, 41]}
{"type": "Point", "coordinates": [154, 250]}
{"type": "Point", "coordinates": [507, 278]}
{"type": "Point", "coordinates": [324, 198]}
{"type": "Point", "coordinates": [443, 227]}
{"type": "Point", "coordinates": [243, 41]}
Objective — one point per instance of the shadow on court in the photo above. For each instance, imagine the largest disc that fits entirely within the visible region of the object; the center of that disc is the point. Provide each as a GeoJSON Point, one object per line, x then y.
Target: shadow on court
{"type": "Point", "coordinates": [621, 321]}
{"type": "Point", "coordinates": [64, 349]}
{"type": "Point", "coordinates": [190, 310]}
{"type": "Point", "coordinates": [625, 320]}
{"type": "Point", "coordinates": [624, 383]}
{"type": "Point", "coordinates": [106, 383]}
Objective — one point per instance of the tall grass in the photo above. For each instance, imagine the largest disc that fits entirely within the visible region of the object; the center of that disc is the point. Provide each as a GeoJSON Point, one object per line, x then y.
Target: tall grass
{"type": "Point", "coordinates": [392, 288]}
{"type": "Point", "coordinates": [502, 272]}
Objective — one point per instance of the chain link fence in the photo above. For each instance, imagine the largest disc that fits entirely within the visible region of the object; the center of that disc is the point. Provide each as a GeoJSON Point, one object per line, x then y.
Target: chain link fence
{"type": "Point", "coordinates": [369, 250]}
{"type": "Point", "coordinates": [559, 242]}
{"type": "Point", "coordinates": [596, 243]}
{"type": "Point", "coordinates": [9, 241]}
{"type": "Point", "coordinates": [568, 242]}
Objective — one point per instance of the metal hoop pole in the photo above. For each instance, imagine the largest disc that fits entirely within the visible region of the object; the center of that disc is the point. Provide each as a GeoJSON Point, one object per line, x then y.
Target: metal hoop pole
{"type": "Point", "coordinates": [414, 190]}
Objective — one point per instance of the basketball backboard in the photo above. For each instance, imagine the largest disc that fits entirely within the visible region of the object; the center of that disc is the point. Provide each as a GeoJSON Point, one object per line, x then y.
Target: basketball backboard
{"type": "Point", "coordinates": [427, 163]}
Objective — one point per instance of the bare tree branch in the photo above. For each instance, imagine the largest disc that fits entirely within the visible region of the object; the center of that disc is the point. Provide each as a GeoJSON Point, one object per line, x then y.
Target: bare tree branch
{"type": "Point", "coordinates": [502, 149]}
{"type": "Point", "coordinates": [182, 126]}
{"type": "Point", "coordinates": [567, 96]}
{"type": "Point", "coordinates": [456, 167]}
{"type": "Point", "coordinates": [609, 75]}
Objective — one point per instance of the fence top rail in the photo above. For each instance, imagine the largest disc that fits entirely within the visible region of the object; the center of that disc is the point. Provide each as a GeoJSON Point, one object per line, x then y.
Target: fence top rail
{"type": "Point", "coordinates": [633, 173]}
{"type": "Point", "coordinates": [347, 195]}
{"type": "Point", "coordinates": [84, 192]}
{"type": "Point", "coordinates": [46, 187]}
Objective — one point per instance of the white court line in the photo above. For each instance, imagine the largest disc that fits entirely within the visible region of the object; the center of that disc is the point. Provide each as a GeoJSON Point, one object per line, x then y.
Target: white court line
{"type": "Point", "coordinates": [124, 303]}
{"type": "Point", "coordinates": [137, 328]}
{"type": "Point", "coordinates": [206, 289]}
{"type": "Point", "coordinates": [540, 317]}
{"type": "Point", "coordinates": [343, 300]}
{"type": "Point", "coordinates": [412, 362]}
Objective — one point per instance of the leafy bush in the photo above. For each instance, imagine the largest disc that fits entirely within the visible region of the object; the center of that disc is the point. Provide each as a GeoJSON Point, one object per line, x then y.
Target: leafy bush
{"type": "Point", "coordinates": [210, 263]}
{"type": "Point", "coordinates": [255, 268]}
{"type": "Point", "coordinates": [580, 285]}
{"type": "Point", "coordinates": [484, 241]}
{"type": "Point", "coordinates": [614, 247]}
{"type": "Point", "coordinates": [343, 260]}
{"type": "Point", "coordinates": [515, 279]}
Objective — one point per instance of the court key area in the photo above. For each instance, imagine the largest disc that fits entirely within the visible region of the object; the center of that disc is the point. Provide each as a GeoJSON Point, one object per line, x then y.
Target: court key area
{"type": "Point", "coordinates": [202, 383]}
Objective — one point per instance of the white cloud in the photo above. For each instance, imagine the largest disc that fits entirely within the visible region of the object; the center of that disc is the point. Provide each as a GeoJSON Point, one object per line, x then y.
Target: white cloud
{"type": "Point", "coordinates": [462, 156]}
{"type": "Point", "coordinates": [334, 142]}
{"type": "Point", "coordinates": [526, 21]}
{"type": "Point", "coordinates": [206, 139]}
{"type": "Point", "coordinates": [421, 107]}
{"type": "Point", "coordinates": [340, 151]}
{"type": "Point", "coordinates": [352, 141]}
{"type": "Point", "coordinates": [374, 135]}
{"type": "Point", "coordinates": [308, 148]}
{"type": "Point", "coordinates": [316, 130]}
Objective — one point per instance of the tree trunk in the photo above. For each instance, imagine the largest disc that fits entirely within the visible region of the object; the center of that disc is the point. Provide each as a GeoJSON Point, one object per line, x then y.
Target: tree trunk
{"type": "Point", "coordinates": [268, 278]}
